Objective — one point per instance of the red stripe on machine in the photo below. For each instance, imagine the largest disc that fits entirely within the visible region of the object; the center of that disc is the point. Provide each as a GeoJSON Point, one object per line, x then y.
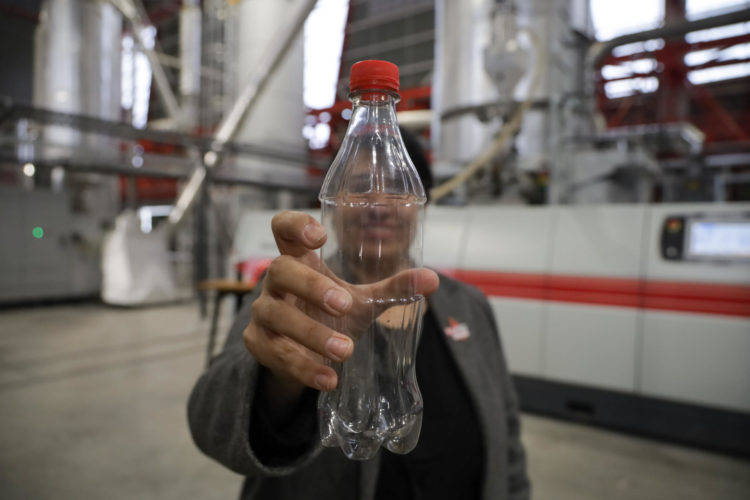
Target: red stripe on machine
{"type": "Point", "coordinates": [707, 298]}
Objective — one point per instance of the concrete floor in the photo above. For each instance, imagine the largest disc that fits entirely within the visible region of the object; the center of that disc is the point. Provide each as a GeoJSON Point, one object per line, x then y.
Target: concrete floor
{"type": "Point", "coordinates": [92, 405]}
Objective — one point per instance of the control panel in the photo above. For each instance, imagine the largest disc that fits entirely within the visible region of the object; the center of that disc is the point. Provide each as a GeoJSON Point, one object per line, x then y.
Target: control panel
{"type": "Point", "coordinates": [706, 237]}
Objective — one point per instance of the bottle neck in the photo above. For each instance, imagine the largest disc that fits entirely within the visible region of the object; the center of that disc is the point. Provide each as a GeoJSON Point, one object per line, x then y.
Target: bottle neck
{"type": "Point", "coordinates": [373, 110]}
{"type": "Point", "coordinates": [374, 97]}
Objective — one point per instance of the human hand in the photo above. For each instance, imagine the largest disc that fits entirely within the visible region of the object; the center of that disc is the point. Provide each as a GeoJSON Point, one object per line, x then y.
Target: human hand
{"type": "Point", "coordinates": [287, 333]}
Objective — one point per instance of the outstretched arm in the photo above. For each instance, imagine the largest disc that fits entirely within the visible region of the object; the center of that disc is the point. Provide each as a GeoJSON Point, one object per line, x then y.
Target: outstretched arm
{"type": "Point", "coordinates": [252, 410]}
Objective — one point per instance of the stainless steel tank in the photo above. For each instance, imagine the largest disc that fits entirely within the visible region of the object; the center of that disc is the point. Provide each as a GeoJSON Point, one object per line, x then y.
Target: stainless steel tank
{"type": "Point", "coordinates": [77, 47]}
{"type": "Point", "coordinates": [463, 30]}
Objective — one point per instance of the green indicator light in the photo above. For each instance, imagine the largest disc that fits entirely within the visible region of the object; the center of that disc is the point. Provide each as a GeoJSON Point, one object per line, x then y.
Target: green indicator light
{"type": "Point", "coordinates": [38, 232]}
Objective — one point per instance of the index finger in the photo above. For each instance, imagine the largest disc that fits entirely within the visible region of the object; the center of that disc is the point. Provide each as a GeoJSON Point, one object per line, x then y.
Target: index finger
{"type": "Point", "coordinates": [297, 233]}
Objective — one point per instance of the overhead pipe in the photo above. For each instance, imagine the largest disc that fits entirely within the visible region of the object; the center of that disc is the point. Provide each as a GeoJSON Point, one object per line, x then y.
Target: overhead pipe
{"type": "Point", "coordinates": [252, 90]}
{"type": "Point", "coordinates": [599, 50]}
{"type": "Point", "coordinates": [135, 13]}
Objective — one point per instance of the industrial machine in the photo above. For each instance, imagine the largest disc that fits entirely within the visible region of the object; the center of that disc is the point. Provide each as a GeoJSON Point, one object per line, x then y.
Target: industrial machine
{"type": "Point", "coordinates": [585, 190]}
{"type": "Point", "coordinates": [48, 251]}
{"type": "Point", "coordinates": [635, 317]}
{"type": "Point", "coordinates": [603, 322]}
{"type": "Point", "coordinates": [62, 156]}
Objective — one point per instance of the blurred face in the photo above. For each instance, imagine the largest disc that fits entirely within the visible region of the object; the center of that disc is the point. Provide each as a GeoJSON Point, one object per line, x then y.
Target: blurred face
{"type": "Point", "coordinates": [375, 232]}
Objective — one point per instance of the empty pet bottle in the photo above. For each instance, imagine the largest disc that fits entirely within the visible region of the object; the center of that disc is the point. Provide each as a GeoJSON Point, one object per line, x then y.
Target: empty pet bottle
{"type": "Point", "coordinates": [372, 208]}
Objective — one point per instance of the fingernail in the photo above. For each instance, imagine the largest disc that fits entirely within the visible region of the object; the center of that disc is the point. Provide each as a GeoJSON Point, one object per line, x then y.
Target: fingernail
{"type": "Point", "coordinates": [338, 347]}
{"type": "Point", "coordinates": [337, 299]}
{"type": "Point", "coordinates": [323, 382]}
{"type": "Point", "coordinates": [313, 233]}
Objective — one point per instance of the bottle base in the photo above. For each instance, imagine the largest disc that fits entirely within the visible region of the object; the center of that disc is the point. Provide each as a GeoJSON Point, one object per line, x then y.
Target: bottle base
{"type": "Point", "coordinates": [359, 446]}
{"type": "Point", "coordinates": [406, 437]}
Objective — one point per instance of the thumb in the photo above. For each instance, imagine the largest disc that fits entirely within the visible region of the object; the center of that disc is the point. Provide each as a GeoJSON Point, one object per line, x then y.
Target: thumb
{"type": "Point", "coordinates": [406, 284]}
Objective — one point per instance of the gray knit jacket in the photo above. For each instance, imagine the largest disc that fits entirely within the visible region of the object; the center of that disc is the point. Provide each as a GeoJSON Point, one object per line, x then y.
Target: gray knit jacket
{"type": "Point", "coordinates": [220, 414]}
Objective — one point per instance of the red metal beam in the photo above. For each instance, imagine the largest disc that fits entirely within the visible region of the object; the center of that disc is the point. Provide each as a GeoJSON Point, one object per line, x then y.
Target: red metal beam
{"type": "Point", "coordinates": [705, 98]}
{"type": "Point", "coordinates": [721, 43]}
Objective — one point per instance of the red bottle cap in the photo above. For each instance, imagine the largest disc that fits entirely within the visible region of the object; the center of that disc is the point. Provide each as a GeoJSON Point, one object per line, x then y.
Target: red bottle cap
{"type": "Point", "coordinates": [373, 74]}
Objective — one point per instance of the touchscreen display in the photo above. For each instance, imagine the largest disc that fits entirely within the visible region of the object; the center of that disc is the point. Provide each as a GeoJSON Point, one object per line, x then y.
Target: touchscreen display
{"type": "Point", "coordinates": [719, 239]}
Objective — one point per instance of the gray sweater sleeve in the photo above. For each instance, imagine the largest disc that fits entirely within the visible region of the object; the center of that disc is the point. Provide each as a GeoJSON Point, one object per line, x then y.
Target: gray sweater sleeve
{"type": "Point", "coordinates": [223, 406]}
{"type": "Point", "coordinates": [519, 486]}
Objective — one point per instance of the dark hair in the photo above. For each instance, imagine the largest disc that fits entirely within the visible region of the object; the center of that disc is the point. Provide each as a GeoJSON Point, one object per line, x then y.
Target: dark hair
{"type": "Point", "coordinates": [419, 159]}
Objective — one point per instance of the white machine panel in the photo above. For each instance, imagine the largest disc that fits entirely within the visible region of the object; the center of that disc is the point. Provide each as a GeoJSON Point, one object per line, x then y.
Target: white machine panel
{"type": "Point", "coordinates": [598, 241]}
{"type": "Point", "coordinates": [515, 240]}
{"type": "Point", "coordinates": [697, 358]}
{"type": "Point", "coordinates": [521, 328]}
{"type": "Point", "coordinates": [593, 346]}
{"type": "Point", "coordinates": [508, 239]}
{"type": "Point", "coordinates": [445, 234]}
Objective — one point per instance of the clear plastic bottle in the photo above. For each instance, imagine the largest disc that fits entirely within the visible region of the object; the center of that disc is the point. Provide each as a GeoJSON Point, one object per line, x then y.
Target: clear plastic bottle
{"type": "Point", "coordinates": [373, 209]}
